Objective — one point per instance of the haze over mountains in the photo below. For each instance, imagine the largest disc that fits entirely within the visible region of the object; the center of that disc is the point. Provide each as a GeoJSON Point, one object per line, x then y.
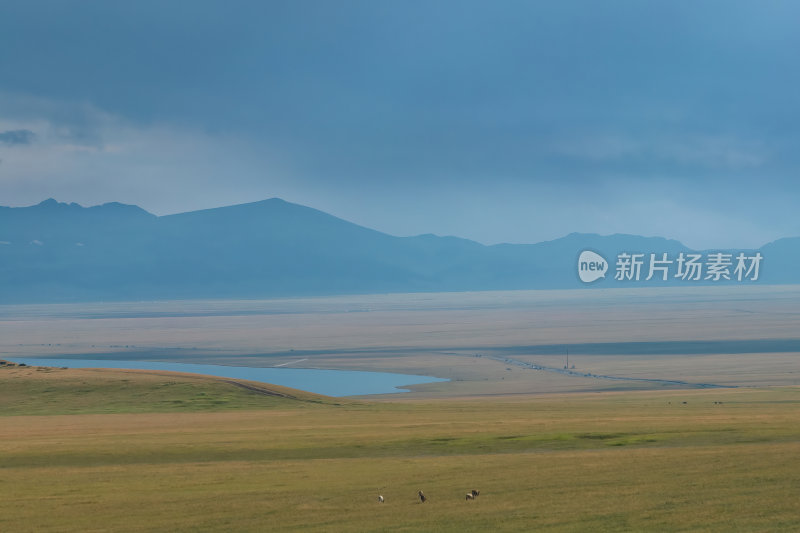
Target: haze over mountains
{"type": "Point", "coordinates": [54, 252]}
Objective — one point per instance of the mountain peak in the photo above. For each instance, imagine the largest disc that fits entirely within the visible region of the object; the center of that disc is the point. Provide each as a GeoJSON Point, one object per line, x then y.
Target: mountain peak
{"type": "Point", "coordinates": [110, 208]}
{"type": "Point", "coordinates": [51, 203]}
{"type": "Point", "coordinates": [120, 209]}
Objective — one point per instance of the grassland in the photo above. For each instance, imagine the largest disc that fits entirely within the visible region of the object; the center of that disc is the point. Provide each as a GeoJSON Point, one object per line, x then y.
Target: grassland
{"type": "Point", "coordinates": [236, 460]}
{"type": "Point", "coordinates": [56, 391]}
{"type": "Point", "coordinates": [95, 450]}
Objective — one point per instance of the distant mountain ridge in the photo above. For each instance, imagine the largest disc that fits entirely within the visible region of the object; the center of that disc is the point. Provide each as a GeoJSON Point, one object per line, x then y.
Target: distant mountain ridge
{"type": "Point", "coordinates": [53, 252]}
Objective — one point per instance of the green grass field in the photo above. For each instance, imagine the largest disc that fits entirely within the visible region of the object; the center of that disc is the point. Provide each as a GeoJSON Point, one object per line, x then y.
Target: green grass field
{"type": "Point", "coordinates": [57, 391]}
{"type": "Point", "coordinates": [136, 451]}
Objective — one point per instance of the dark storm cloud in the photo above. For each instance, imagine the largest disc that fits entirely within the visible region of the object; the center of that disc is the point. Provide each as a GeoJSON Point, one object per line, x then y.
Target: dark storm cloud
{"type": "Point", "coordinates": [12, 137]}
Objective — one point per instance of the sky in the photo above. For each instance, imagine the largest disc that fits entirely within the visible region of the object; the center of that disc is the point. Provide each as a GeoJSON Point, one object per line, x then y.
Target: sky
{"type": "Point", "coordinates": [510, 121]}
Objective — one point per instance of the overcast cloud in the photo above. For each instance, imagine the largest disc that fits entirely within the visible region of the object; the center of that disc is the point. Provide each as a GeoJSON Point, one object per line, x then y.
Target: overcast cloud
{"type": "Point", "coordinates": [500, 122]}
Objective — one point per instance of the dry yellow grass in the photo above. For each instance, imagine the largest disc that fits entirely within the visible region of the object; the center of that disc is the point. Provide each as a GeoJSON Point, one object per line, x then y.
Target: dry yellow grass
{"type": "Point", "coordinates": [628, 461]}
{"type": "Point", "coordinates": [135, 451]}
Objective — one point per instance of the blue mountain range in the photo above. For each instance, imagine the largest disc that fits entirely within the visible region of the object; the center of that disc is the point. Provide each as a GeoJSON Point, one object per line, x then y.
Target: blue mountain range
{"type": "Point", "coordinates": [57, 252]}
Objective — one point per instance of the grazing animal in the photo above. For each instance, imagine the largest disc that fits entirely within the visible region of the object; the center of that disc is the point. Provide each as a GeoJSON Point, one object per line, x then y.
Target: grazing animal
{"type": "Point", "coordinates": [422, 497]}
{"type": "Point", "coordinates": [380, 498]}
{"type": "Point", "coordinates": [475, 493]}
{"type": "Point", "coordinates": [470, 496]}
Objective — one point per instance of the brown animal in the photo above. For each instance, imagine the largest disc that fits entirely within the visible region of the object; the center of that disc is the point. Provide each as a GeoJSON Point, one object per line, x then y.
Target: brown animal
{"type": "Point", "coordinates": [422, 497]}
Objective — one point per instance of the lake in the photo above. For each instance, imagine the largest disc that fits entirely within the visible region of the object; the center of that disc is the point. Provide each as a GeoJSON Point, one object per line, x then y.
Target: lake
{"type": "Point", "coordinates": [327, 382]}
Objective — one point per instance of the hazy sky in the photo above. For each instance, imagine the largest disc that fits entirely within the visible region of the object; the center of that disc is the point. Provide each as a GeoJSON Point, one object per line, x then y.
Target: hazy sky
{"type": "Point", "coordinates": [497, 121]}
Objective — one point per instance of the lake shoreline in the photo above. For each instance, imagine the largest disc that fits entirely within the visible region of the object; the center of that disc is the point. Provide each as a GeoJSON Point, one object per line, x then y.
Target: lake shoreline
{"type": "Point", "coordinates": [335, 383]}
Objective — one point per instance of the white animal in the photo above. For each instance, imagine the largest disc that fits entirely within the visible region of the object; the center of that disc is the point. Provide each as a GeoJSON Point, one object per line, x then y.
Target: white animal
{"type": "Point", "coordinates": [380, 498]}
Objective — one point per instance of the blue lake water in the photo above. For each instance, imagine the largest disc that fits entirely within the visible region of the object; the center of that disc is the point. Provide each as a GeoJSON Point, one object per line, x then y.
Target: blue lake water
{"type": "Point", "coordinates": [327, 382]}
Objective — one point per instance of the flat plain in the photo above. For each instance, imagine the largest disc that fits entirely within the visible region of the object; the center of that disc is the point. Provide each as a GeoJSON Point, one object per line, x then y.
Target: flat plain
{"type": "Point", "coordinates": [634, 439]}
{"type": "Point", "coordinates": [727, 335]}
